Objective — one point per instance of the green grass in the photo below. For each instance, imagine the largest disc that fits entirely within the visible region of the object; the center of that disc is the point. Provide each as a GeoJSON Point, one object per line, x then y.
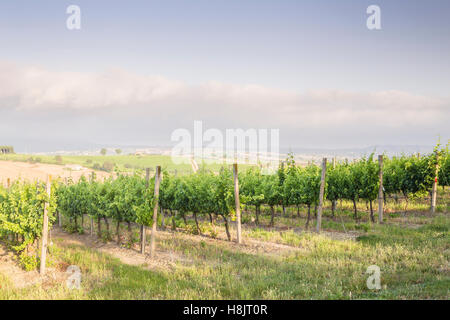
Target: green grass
{"type": "Point", "coordinates": [418, 213]}
{"type": "Point", "coordinates": [122, 162]}
{"type": "Point", "coordinates": [414, 264]}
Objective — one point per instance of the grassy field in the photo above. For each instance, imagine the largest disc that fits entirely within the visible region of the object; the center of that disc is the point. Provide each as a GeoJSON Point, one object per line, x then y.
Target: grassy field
{"type": "Point", "coordinates": [287, 261]}
{"type": "Point", "coordinates": [283, 262]}
{"type": "Point", "coordinates": [122, 162]}
{"type": "Point", "coordinates": [413, 262]}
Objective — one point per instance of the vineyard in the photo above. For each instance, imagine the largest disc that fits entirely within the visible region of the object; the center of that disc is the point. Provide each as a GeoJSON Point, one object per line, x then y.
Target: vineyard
{"type": "Point", "coordinates": [170, 201]}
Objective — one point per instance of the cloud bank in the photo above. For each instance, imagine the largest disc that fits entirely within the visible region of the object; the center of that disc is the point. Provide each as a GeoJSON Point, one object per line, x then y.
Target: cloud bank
{"type": "Point", "coordinates": [32, 89]}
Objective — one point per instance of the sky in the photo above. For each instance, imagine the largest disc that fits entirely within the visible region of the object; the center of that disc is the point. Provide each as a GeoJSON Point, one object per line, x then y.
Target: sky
{"type": "Point", "coordinates": [138, 70]}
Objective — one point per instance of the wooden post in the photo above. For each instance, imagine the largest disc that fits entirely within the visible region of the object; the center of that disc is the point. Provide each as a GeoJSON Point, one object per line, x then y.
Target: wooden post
{"type": "Point", "coordinates": [321, 194]}
{"type": "Point", "coordinates": [237, 202]}
{"type": "Point", "coordinates": [163, 217]}
{"type": "Point", "coordinates": [155, 211]}
{"type": "Point", "coordinates": [334, 203]}
{"type": "Point", "coordinates": [59, 213]}
{"type": "Point", "coordinates": [45, 228]}
{"type": "Point", "coordinates": [380, 190]}
{"type": "Point", "coordinates": [143, 228]}
{"type": "Point", "coordinates": [66, 181]}
{"type": "Point", "coordinates": [8, 184]}
{"type": "Point", "coordinates": [92, 219]}
{"type": "Point", "coordinates": [435, 185]}
{"type": "Point", "coordinates": [92, 226]}
{"type": "Point", "coordinates": [59, 219]}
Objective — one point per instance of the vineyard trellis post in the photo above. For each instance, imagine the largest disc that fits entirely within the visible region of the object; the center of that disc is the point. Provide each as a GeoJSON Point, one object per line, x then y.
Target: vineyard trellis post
{"type": "Point", "coordinates": [380, 190]}
{"type": "Point", "coordinates": [237, 202]}
{"type": "Point", "coordinates": [334, 202]}
{"type": "Point", "coordinates": [8, 185]}
{"type": "Point", "coordinates": [321, 194]}
{"type": "Point", "coordinates": [155, 211]}
{"type": "Point", "coordinates": [66, 181]}
{"type": "Point", "coordinates": [59, 219]}
{"type": "Point", "coordinates": [45, 228]}
{"type": "Point", "coordinates": [143, 228]}
{"type": "Point", "coordinates": [37, 242]}
{"type": "Point", "coordinates": [92, 219]}
{"type": "Point", "coordinates": [435, 185]}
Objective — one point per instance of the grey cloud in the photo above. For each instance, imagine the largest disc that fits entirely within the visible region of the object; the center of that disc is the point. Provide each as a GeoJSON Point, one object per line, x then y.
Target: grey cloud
{"type": "Point", "coordinates": [121, 97]}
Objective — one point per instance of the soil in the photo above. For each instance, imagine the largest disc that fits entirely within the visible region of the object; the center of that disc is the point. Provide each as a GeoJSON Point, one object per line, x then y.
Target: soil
{"type": "Point", "coordinates": [163, 260]}
{"type": "Point", "coordinates": [39, 171]}
{"type": "Point", "coordinates": [21, 278]}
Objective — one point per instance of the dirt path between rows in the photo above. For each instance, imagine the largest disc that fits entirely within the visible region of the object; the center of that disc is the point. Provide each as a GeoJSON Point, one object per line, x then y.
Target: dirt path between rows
{"type": "Point", "coordinates": [165, 258]}
{"type": "Point", "coordinates": [162, 261]}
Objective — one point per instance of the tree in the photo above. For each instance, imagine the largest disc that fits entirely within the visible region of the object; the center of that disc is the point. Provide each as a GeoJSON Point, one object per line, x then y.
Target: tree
{"type": "Point", "coordinates": [354, 183]}
{"type": "Point", "coordinates": [182, 196]}
{"type": "Point", "coordinates": [74, 201]}
{"type": "Point", "coordinates": [292, 187]}
{"type": "Point", "coordinates": [22, 210]}
{"type": "Point", "coordinates": [118, 151]}
{"type": "Point", "coordinates": [412, 176]}
{"type": "Point", "coordinates": [108, 166]}
{"type": "Point", "coordinates": [444, 169]}
{"type": "Point", "coordinates": [251, 189]}
{"type": "Point", "coordinates": [6, 149]}
{"type": "Point", "coordinates": [370, 182]}
{"type": "Point", "coordinates": [272, 194]}
{"type": "Point", "coordinates": [201, 195]}
{"type": "Point", "coordinates": [130, 202]}
{"type": "Point", "coordinates": [167, 195]}
{"type": "Point", "coordinates": [281, 172]}
{"type": "Point", "coordinates": [103, 151]}
{"type": "Point", "coordinates": [334, 181]}
{"type": "Point", "coordinates": [310, 187]}
{"type": "Point", "coordinates": [223, 196]}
